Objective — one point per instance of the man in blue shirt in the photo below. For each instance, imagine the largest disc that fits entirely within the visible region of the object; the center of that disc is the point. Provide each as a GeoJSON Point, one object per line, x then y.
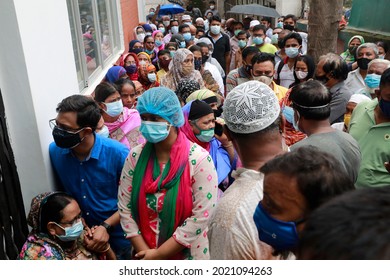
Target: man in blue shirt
{"type": "Point", "coordinates": [89, 168]}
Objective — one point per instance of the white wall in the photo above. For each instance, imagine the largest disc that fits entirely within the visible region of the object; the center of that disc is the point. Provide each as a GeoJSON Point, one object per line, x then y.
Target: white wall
{"type": "Point", "coordinates": [285, 7]}
{"type": "Point", "coordinates": [37, 71]}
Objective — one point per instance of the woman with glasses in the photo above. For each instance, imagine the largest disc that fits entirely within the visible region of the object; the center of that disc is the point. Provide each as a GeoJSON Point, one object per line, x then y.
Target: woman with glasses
{"type": "Point", "coordinates": [122, 123]}
{"type": "Point", "coordinates": [58, 232]}
{"type": "Point", "coordinates": [182, 69]}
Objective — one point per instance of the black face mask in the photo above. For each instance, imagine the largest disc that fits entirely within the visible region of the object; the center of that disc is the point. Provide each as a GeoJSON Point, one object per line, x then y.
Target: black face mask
{"type": "Point", "coordinates": [363, 63]}
{"type": "Point", "coordinates": [288, 27]}
{"type": "Point", "coordinates": [65, 139]}
{"type": "Point", "coordinates": [197, 64]}
{"type": "Point", "coordinates": [204, 58]}
{"type": "Point", "coordinates": [322, 79]}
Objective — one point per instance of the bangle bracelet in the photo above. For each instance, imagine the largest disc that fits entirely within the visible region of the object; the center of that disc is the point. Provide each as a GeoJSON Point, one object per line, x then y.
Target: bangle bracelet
{"type": "Point", "coordinates": [105, 250]}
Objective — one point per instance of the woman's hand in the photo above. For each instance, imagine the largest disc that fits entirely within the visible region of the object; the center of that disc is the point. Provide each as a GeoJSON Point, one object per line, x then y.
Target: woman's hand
{"type": "Point", "coordinates": [151, 254]}
{"type": "Point", "coordinates": [99, 239]}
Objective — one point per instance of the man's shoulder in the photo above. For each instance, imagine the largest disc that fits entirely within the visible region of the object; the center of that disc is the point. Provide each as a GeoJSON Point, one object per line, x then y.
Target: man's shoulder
{"type": "Point", "coordinates": [110, 145]}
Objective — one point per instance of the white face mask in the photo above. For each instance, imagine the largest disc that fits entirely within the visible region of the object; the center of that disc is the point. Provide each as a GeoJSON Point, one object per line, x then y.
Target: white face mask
{"type": "Point", "coordinates": [152, 77]}
{"type": "Point", "coordinates": [104, 131]}
{"type": "Point", "coordinates": [141, 37]}
{"type": "Point", "coordinates": [301, 75]}
{"type": "Point", "coordinates": [142, 62]}
{"type": "Point", "coordinates": [264, 79]}
{"type": "Point", "coordinates": [212, 7]}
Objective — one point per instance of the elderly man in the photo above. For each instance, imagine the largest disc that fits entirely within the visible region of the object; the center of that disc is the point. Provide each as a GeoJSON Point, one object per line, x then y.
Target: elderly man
{"type": "Point", "coordinates": [374, 72]}
{"type": "Point", "coordinates": [369, 125]}
{"type": "Point", "coordinates": [295, 184]}
{"type": "Point", "coordinates": [254, 125]}
{"type": "Point", "coordinates": [332, 71]}
{"type": "Point", "coordinates": [365, 53]}
{"type": "Point", "coordinates": [311, 104]}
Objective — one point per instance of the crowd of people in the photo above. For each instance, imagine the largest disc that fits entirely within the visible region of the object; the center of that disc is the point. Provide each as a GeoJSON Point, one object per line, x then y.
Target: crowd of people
{"type": "Point", "coordinates": [220, 139]}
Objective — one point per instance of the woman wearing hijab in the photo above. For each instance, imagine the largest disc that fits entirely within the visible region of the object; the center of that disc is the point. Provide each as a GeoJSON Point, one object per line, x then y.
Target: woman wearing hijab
{"type": "Point", "coordinates": [145, 72]}
{"type": "Point", "coordinates": [115, 73]}
{"type": "Point", "coordinates": [122, 123]}
{"type": "Point", "coordinates": [185, 88]}
{"type": "Point", "coordinates": [181, 67]}
{"type": "Point", "coordinates": [58, 232]}
{"type": "Point", "coordinates": [349, 56]}
{"type": "Point", "coordinates": [158, 37]}
{"type": "Point", "coordinates": [139, 33]}
{"type": "Point", "coordinates": [200, 128]}
{"type": "Point", "coordinates": [130, 62]}
{"type": "Point", "coordinates": [169, 186]}
{"type": "Point", "coordinates": [135, 46]}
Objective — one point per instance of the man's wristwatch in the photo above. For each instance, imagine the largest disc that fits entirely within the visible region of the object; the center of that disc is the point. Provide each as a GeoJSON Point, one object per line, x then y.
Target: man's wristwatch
{"type": "Point", "coordinates": [106, 226]}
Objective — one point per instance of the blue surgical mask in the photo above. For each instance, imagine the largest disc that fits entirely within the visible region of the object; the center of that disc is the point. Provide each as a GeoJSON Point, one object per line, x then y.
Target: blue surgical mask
{"type": "Point", "coordinates": [114, 108]}
{"type": "Point", "coordinates": [104, 132]}
{"type": "Point", "coordinates": [236, 32]}
{"type": "Point", "coordinates": [279, 234]}
{"type": "Point", "coordinates": [296, 123]}
{"type": "Point", "coordinates": [381, 56]}
{"type": "Point", "coordinates": [215, 29]}
{"type": "Point", "coordinates": [175, 29]}
{"type": "Point", "coordinates": [385, 107]}
{"type": "Point", "coordinates": [155, 132]}
{"type": "Point", "coordinates": [291, 52]}
{"type": "Point", "coordinates": [288, 114]}
{"type": "Point", "coordinates": [258, 40]}
{"type": "Point", "coordinates": [172, 53]}
{"type": "Point", "coordinates": [71, 233]}
{"type": "Point", "coordinates": [158, 43]}
{"type": "Point", "coordinates": [242, 44]}
{"type": "Point", "coordinates": [182, 45]}
{"type": "Point", "coordinates": [205, 135]}
{"type": "Point", "coordinates": [187, 36]}
{"type": "Point", "coordinates": [372, 80]}
{"type": "Point", "coordinates": [162, 29]}
{"type": "Point", "coordinates": [279, 25]}
{"type": "Point", "coordinates": [274, 39]}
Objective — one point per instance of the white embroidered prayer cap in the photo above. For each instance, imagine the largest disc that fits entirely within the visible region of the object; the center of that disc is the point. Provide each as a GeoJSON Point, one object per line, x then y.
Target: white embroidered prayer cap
{"type": "Point", "coordinates": [250, 107]}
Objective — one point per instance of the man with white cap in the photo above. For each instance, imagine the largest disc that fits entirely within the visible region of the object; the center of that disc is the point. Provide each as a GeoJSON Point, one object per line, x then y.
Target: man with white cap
{"type": "Point", "coordinates": [254, 125]}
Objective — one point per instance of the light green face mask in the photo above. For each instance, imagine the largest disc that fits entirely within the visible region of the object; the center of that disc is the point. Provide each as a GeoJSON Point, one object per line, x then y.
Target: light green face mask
{"type": "Point", "coordinates": [236, 32]}
{"type": "Point", "coordinates": [205, 135]}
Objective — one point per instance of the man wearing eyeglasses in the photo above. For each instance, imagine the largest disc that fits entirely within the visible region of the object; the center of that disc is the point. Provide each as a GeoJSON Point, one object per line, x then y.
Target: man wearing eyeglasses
{"type": "Point", "coordinates": [88, 167]}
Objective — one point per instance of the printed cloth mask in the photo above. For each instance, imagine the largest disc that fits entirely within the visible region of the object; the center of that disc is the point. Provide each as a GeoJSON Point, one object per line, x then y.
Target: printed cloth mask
{"type": "Point", "coordinates": [114, 108]}
{"type": "Point", "coordinates": [215, 29]}
{"type": "Point", "coordinates": [175, 29]}
{"type": "Point", "coordinates": [131, 69]}
{"type": "Point", "coordinates": [347, 119]}
{"type": "Point", "coordinates": [274, 39]}
{"type": "Point", "coordinates": [71, 233]}
{"type": "Point", "coordinates": [258, 40]}
{"type": "Point", "coordinates": [264, 79]}
{"type": "Point", "coordinates": [301, 74]}
{"type": "Point", "coordinates": [372, 80]}
{"type": "Point", "coordinates": [158, 43]}
{"type": "Point", "coordinates": [242, 44]}
{"type": "Point", "coordinates": [187, 36]}
{"type": "Point", "coordinates": [152, 77]}
{"type": "Point", "coordinates": [154, 132]}
{"type": "Point", "coordinates": [279, 234]}
{"type": "Point", "coordinates": [363, 63]}
{"type": "Point", "coordinates": [236, 32]}
{"type": "Point", "coordinates": [104, 132]}
{"type": "Point", "coordinates": [197, 64]}
{"type": "Point", "coordinates": [385, 107]}
{"type": "Point", "coordinates": [292, 52]}
{"type": "Point", "coordinates": [65, 139]}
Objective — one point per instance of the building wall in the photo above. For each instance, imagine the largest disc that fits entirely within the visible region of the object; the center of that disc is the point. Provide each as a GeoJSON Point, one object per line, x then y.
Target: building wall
{"type": "Point", "coordinates": [285, 7]}
{"type": "Point", "coordinates": [130, 19]}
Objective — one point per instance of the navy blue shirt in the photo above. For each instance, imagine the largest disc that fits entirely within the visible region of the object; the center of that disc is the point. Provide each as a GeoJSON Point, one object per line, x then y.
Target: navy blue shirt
{"type": "Point", "coordinates": [93, 182]}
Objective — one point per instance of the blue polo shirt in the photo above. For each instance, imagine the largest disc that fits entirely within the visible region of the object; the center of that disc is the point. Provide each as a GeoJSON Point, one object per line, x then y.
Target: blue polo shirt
{"type": "Point", "coordinates": [93, 182]}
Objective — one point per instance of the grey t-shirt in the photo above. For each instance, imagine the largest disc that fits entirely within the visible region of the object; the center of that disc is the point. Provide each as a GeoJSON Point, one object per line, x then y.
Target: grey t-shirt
{"type": "Point", "coordinates": [339, 144]}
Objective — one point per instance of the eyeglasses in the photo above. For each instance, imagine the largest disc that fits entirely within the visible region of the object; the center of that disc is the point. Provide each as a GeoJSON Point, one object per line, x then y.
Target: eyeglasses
{"type": "Point", "coordinates": [53, 124]}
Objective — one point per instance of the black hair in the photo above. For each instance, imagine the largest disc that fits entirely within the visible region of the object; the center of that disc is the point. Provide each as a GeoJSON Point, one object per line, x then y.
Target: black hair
{"type": "Point", "coordinates": [352, 226]}
{"type": "Point", "coordinates": [195, 48]}
{"type": "Point", "coordinates": [238, 23]}
{"type": "Point", "coordinates": [293, 35]}
{"type": "Point", "coordinates": [104, 90]}
{"type": "Point", "coordinates": [212, 2]}
{"type": "Point", "coordinates": [308, 95]}
{"type": "Point", "coordinates": [385, 78]}
{"type": "Point", "coordinates": [202, 45]}
{"type": "Point", "coordinates": [200, 29]}
{"type": "Point", "coordinates": [267, 19]}
{"type": "Point", "coordinates": [383, 45]}
{"type": "Point", "coordinates": [162, 52]}
{"type": "Point", "coordinates": [51, 209]}
{"type": "Point", "coordinates": [182, 26]}
{"type": "Point", "coordinates": [88, 111]}
{"type": "Point", "coordinates": [248, 51]}
{"type": "Point", "coordinates": [319, 175]}
{"type": "Point", "coordinates": [121, 82]}
{"type": "Point", "coordinates": [293, 17]}
{"type": "Point", "coordinates": [216, 18]}
{"type": "Point", "coordinates": [335, 65]}
{"type": "Point", "coordinates": [260, 27]}
{"type": "Point", "coordinates": [261, 57]}
{"type": "Point", "coordinates": [311, 68]}
{"type": "Point", "coordinates": [242, 32]}
{"type": "Point", "coordinates": [147, 37]}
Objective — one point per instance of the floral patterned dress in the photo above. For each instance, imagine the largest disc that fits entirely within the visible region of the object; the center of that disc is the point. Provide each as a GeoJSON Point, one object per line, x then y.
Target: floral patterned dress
{"type": "Point", "coordinates": [192, 234]}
